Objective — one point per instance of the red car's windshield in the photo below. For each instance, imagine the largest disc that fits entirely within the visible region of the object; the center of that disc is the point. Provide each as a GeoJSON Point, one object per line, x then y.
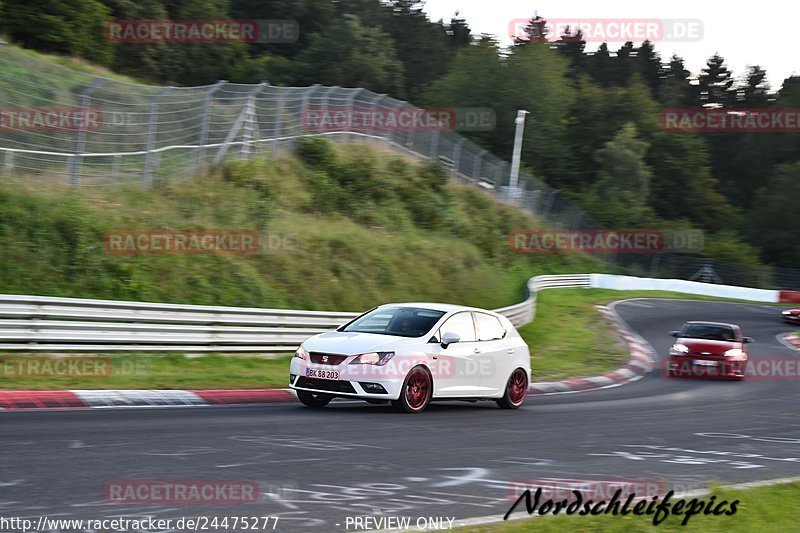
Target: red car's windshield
{"type": "Point", "coordinates": [712, 332]}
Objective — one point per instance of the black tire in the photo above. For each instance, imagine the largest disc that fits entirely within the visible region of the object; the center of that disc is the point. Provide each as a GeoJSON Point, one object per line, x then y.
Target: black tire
{"type": "Point", "coordinates": [416, 393]}
{"type": "Point", "coordinates": [516, 389]}
{"type": "Point", "coordinates": [313, 399]}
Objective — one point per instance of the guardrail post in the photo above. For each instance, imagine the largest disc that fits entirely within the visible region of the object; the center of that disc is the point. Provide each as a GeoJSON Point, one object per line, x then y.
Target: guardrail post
{"type": "Point", "coordinates": [200, 153]}
{"type": "Point", "coordinates": [151, 136]}
{"type": "Point", "coordinates": [80, 141]}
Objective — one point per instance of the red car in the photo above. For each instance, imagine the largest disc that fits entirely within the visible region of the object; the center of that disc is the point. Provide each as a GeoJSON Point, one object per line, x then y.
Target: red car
{"type": "Point", "coordinates": [792, 315]}
{"type": "Point", "coordinates": [708, 349]}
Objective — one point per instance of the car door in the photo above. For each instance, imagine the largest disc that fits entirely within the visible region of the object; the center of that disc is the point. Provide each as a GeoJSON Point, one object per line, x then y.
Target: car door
{"type": "Point", "coordinates": [454, 369]}
{"type": "Point", "coordinates": [496, 358]}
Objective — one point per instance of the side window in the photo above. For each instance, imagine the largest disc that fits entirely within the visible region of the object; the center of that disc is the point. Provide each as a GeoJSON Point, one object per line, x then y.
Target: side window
{"type": "Point", "coordinates": [489, 327]}
{"type": "Point", "coordinates": [462, 324]}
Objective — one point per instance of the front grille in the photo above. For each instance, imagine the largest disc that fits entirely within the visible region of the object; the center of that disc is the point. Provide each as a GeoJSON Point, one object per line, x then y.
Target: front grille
{"type": "Point", "coordinates": [326, 358]}
{"type": "Point", "coordinates": [325, 384]}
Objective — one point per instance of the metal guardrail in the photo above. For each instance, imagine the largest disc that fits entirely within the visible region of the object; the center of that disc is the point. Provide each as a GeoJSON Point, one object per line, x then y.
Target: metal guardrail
{"type": "Point", "coordinates": [40, 323]}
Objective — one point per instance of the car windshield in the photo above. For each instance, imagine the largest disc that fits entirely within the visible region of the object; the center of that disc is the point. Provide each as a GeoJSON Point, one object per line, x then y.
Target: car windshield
{"type": "Point", "coordinates": [399, 321]}
{"type": "Point", "coordinates": [712, 332]}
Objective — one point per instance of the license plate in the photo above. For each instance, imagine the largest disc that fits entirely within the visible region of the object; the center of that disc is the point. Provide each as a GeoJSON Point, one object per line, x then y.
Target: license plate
{"type": "Point", "coordinates": [322, 373]}
{"type": "Point", "coordinates": [704, 363]}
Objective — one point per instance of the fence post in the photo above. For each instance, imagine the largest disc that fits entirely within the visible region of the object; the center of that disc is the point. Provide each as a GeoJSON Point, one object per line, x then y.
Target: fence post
{"type": "Point", "coordinates": [304, 101]}
{"type": "Point", "coordinates": [350, 100]}
{"type": "Point", "coordinates": [200, 153]}
{"type": "Point", "coordinates": [435, 144]}
{"type": "Point", "coordinates": [476, 168]}
{"type": "Point", "coordinates": [276, 130]}
{"type": "Point", "coordinates": [550, 199]}
{"type": "Point", "coordinates": [250, 121]}
{"type": "Point", "coordinates": [240, 120]}
{"type": "Point", "coordinates": [152, 126]}
{"type": "Point", "coordinates": [457, 154]}
{"type": "Point", "coordinates": [8, 165]}
{"type": "Point", "coordinates": [374, 104]}
{"type": "Point", "coordinates": [80, 142]}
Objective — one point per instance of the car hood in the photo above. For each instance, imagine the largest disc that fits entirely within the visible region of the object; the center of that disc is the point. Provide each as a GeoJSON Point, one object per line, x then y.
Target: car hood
{"type": "Point", "coordinates": [353, 343]}
{"type": "Point", "coordinates": [713, 347]}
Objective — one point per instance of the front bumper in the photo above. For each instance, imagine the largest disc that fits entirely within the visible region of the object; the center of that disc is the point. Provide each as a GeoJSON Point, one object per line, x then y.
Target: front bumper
{"type": "Point", "coordinates": [355, 381]}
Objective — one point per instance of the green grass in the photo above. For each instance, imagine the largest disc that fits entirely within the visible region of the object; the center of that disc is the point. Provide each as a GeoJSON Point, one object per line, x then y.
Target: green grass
{"type": "Point", "coordinates": [771, 508]}
{"type": "Point", "coordinates": [142, 371]}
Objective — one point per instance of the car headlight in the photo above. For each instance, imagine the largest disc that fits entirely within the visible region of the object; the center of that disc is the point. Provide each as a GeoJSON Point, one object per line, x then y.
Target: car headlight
{"type": "Point", "coordinates": [372, 358]}
{"type": "Point", "coordinates": [301, 353]}
{"type": "Point", "coordinates": [680, 348]}
{"type": "Point", "coordinates": [734, 352]}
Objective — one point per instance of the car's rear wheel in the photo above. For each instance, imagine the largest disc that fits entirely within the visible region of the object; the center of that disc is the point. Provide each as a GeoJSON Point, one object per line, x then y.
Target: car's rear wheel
{"type": "Point", "coordinates": [313, 399]}
{"type": "Point", "coordinates": [516, 389]}
{"type": "Point", "coordinates": [416, 392]}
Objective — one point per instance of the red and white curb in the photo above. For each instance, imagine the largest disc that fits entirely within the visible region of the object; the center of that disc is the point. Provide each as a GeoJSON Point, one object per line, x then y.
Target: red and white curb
{"type": "Point", "coordinates": [70, 399]}
{"type": "Point", "coordinates": [641, 362]}
{"type": "Point", "coordinates": [790, 339]}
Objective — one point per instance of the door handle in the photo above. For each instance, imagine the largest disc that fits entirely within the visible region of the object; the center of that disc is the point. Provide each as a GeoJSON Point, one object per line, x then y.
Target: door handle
{"type": "Point", "coordinates": [510, 351]}
{"type": "Point", "coordinates": [476, 350]}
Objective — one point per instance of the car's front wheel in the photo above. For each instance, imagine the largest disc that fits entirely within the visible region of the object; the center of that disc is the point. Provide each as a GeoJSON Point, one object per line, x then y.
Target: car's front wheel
{"type": "Point", "coordinates": [313, 399]}
{"type": "Point", "coordinates": [416, 393]}
{"type": "Point", "coordinates": [516, 389]}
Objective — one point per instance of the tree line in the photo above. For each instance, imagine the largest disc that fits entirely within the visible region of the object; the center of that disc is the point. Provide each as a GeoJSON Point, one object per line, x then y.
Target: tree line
{"type": "Point", "coordinates": [594, 131]}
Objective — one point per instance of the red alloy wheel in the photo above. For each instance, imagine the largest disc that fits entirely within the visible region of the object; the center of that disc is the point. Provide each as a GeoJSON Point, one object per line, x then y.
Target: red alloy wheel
{"type": "Point", "coordinates": [417, 390]}
{"type": "Point", "coordinates": [517, 387]}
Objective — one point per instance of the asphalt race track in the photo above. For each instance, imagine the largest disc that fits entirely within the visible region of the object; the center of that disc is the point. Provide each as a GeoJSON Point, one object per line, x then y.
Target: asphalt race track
{"type": "Point", "coordinates": [456, 460]}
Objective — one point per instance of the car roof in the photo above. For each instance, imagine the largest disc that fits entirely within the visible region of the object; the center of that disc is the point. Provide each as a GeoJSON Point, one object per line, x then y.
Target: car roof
{"type": "Point", "coordinates": [705, 322]}
{"type": "Point", "coordinates": [447, 308]}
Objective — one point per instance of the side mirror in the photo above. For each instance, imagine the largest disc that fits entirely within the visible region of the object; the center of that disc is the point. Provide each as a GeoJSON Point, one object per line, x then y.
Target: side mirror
{"type": "Point", "coordinates": [449, 338]}
{"type": "Point", "coordinates": [748, 340]}
{"type": "Point", "coordinates": [675, 333]}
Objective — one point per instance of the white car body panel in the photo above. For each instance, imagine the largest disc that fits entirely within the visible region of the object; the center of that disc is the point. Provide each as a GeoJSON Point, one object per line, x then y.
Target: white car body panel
{"type": "Point", "coordinates": [464, 370]}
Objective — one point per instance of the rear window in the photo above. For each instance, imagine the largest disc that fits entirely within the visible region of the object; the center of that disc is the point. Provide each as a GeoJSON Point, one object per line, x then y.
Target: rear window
{"type": "Point", "coordinates": [710, 332]}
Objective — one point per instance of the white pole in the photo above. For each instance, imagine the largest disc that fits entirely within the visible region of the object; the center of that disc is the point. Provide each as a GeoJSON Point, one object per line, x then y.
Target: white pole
{"type": "Point", "coordinates": [520, 130]}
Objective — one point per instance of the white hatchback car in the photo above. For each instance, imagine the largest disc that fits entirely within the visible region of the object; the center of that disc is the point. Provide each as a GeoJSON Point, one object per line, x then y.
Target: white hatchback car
{"type": "Point", "coordinates": [411, 353]}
